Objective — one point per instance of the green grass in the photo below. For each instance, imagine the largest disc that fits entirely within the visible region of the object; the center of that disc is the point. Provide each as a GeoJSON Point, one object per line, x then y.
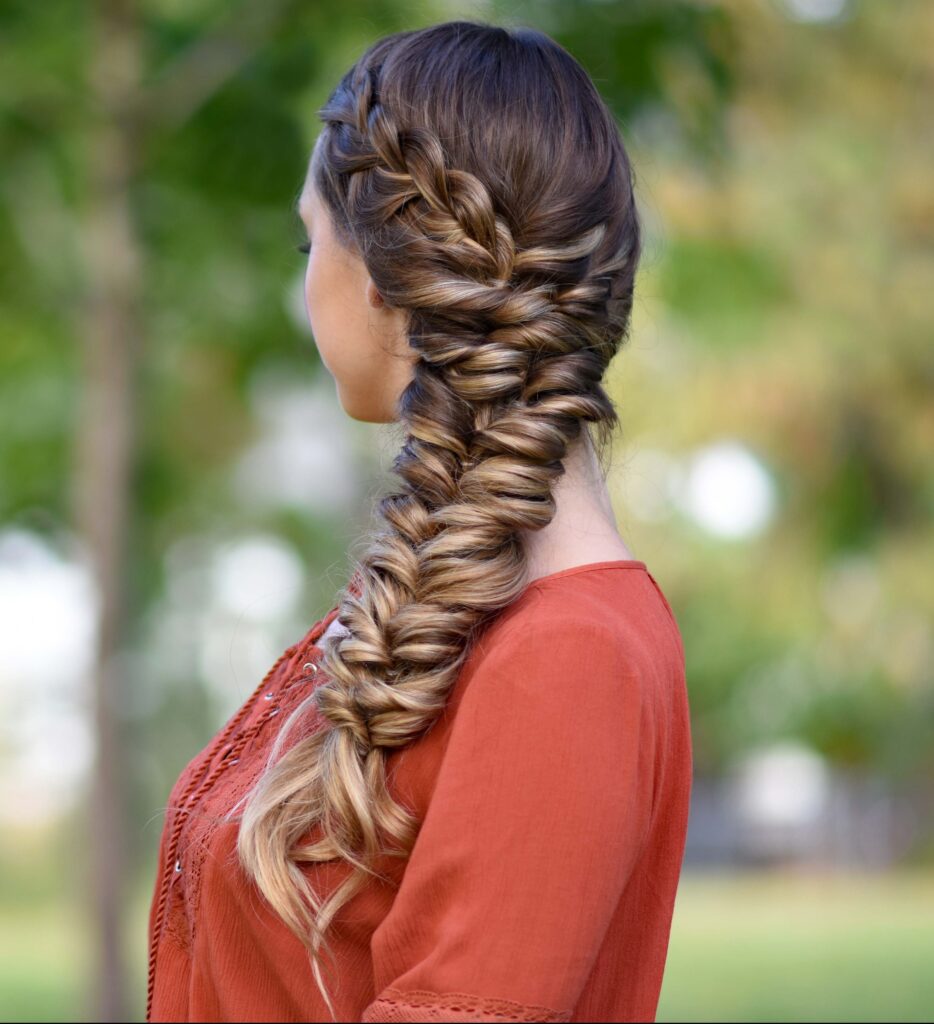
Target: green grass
{"type": "Point", "coordinates": [43, 957]}
{"type": "Point", "coordinates": [801, 948]}
{"type": "Point", "coordinates": [743, 948]}
{"type": "Point", "coordinates": [46, 961]}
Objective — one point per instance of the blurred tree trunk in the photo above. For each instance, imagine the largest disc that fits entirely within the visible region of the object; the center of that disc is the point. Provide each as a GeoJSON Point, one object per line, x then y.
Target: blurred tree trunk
{"type": "Point", "coordinates": [124, 116]}
{"type": "Point", "coordinates": [110, 334]}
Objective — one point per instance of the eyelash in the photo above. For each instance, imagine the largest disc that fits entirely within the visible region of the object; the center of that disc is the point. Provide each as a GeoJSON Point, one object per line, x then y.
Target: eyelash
{"type": "Point", "coordinates": [306, 248]}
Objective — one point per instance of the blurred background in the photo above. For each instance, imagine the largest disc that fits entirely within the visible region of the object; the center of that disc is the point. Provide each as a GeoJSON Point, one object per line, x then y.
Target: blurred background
{"type": "Point", "coordinates": [179, 487]}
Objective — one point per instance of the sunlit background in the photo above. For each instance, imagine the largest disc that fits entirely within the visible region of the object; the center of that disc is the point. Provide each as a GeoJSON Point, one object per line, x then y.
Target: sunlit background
{"type": "Point", "coordinates": [179, 488]}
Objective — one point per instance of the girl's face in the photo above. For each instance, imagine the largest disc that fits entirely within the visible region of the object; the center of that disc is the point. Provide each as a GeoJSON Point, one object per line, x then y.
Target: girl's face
{"type": "Point", "coordinates": [360, 339]}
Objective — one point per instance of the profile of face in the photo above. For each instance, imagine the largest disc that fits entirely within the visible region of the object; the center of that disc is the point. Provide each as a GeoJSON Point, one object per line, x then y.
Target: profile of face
{"type": "Point", "coordinates": [360, 338]}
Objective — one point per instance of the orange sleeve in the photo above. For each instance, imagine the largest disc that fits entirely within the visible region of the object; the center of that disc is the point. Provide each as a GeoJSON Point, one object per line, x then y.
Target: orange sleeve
{"type": "Point", "coordinates": [541, 807]}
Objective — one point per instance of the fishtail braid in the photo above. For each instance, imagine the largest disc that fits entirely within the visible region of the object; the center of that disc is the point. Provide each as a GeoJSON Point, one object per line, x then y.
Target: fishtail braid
{"type": "Point", "coordinates": [514, 331]}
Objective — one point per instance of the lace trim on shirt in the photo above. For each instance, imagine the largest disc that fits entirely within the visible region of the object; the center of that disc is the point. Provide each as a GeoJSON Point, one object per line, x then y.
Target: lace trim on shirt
{"type": "Point", "coordinates": [396, 1005]}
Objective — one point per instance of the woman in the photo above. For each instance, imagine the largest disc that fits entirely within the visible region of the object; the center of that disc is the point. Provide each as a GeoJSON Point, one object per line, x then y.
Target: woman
{"type": "Point", "coordinates": [464, 794]}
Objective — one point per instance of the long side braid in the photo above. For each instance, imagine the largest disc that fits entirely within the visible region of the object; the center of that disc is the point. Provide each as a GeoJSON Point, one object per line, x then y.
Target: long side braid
{"type": "Point", "coordinates": [513, 342]}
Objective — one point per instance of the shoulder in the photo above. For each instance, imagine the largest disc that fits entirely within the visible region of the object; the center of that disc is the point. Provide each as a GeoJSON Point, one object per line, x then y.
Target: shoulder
{"type": "Point", "coordinates": [580, 641]}
{"type": "Point", "coordinates": [614, 615]}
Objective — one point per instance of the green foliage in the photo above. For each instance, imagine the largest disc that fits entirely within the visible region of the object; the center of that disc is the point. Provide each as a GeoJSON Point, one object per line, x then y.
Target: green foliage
{"type": "Point", "coordinates": [724, 290]}
{"type": "Point", "coordinates": [783, 170]}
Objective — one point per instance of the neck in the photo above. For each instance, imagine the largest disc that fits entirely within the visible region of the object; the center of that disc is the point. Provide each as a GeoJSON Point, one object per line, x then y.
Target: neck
{"type": "Point", "coordinates": [584, 526]}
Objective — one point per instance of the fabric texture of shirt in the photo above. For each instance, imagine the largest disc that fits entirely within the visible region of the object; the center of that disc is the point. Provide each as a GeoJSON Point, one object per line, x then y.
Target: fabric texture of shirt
{"type": "Point", "coordinates": [553, 798]}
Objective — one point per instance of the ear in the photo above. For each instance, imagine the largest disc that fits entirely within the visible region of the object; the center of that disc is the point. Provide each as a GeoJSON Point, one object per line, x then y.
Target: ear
{"type": "Point", "coordinates": [373, 296]}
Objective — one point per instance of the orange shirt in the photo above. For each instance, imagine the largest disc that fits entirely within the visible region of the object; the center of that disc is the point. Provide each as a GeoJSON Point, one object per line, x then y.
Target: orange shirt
{"type": "Point", "coordinates": [553, 793]}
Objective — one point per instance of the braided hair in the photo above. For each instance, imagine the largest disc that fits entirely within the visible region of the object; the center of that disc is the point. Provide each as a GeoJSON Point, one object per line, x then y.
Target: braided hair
{"type": "Point", "coordinates": [483, 182]}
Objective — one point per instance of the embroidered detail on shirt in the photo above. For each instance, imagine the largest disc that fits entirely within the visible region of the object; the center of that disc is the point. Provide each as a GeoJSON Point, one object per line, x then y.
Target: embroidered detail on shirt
{"type": "Point", "coordinates": [421, 1005]}
{"type": "Point", "coordinates": [197, 808]}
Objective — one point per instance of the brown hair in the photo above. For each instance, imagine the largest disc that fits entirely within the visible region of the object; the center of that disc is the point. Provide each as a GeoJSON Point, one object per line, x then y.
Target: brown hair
{"type": "Point", "coordinates": [483, 181]}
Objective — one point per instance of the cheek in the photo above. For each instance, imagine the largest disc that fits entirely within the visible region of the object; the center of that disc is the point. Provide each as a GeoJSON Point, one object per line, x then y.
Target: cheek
{"type": "Point", "coordinates": [319, 305]}
{"type": "Point", "coordinates": [333, 319]}
{"type": "Point", "coordinates": [347, 343]}
{"type": "Point", "coordinates": [312, 291]}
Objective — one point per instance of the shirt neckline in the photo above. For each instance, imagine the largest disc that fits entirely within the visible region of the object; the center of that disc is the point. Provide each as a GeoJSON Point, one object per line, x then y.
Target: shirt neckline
{"type": "Point", "coordinates": [610, 563]}
{"type": "Point", "coordinates": [571, 570]}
